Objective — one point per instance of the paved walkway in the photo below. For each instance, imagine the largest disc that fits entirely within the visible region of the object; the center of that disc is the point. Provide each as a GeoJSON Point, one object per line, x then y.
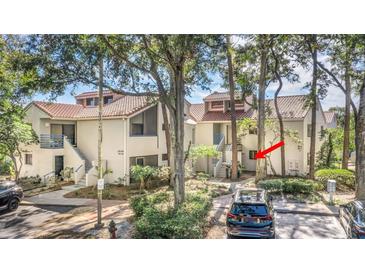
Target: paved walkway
{"type": "Point", "coordinates": [30, 222]}
{"type": "Point", "coordinates": [56, 198]}
{"type": "Point", "coordinates": [318, 209]}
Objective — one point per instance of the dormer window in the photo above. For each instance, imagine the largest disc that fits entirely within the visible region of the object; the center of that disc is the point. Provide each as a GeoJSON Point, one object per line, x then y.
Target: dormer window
{"type": "Point", "coordinates": [108, 100]}
{"type": "Point", "coordinates": [92, 102]}
{"type": "Point", "coordinates": [217, 105]}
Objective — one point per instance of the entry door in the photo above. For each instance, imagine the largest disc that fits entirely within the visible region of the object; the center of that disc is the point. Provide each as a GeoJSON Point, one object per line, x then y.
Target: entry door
{"type": "Point", "coordinates": [69, 131]}
{"type": "Point", "coordinates": [58, 165]}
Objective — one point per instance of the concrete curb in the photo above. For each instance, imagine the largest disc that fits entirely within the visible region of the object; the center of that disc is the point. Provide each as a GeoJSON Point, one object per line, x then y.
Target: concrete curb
{"type": "Point", "coordinates": [304, 212]}
{"type": "Point", "coordinates": [25, 203]}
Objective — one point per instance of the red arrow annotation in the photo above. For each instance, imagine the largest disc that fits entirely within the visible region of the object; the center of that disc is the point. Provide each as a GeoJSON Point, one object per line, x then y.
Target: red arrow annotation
{"type": "Point", "coordinates": [261, 154]}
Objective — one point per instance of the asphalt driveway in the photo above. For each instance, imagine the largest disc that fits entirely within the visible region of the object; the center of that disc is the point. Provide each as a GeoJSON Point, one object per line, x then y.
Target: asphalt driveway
{"type": "Point", "coordinates": [25, 222]}
{"type": "Point", "coordinates": [304, 226]}
{"type": "Point", "coordinates": [288, 226]}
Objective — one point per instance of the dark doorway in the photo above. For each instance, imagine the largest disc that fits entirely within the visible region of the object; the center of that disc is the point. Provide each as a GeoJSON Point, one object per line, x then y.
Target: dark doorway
{"type": "Point", "coordinates": [69, 131]}
{"type": "Point", "coordinates": [58, 165]}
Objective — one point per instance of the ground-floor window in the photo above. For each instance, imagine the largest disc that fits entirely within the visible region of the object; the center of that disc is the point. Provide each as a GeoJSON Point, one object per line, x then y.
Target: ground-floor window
{"type": "Point", "coordinates": [164, 157]}
{"type": "Point", "coordinates": [149, 160]}
{"type": "Point", "coordinates": [28, 159]}
{"type": "Point", "coordinates": [252, 154]}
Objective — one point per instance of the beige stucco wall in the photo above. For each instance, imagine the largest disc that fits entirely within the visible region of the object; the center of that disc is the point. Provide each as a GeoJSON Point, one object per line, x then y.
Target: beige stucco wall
{"type": "Point", "coordinates": [249, 142]}
{"type": "Point", "coordinates": [306, 143]}
{"type": "Point", "coordinates": [112, 148]}
{"type": "Point", "coordinates": [42, 160]}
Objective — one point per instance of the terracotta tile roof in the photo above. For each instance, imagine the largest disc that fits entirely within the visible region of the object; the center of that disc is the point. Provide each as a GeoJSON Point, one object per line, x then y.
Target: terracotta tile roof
{"type": "Point", "coordinates": [91, 94]}
{"type": "Point", "coordinates": [291, 107]}
{"type": "Point", "coordinates": [329, 116]}
{"type": "Point", "coordinates": [59, 110]}
{"type": "Point", "coordinates": [218, 96]}
{"type": "Point", "coordinates": [124, 106]}
{"type": "Point", "coordinates": [197, 111]}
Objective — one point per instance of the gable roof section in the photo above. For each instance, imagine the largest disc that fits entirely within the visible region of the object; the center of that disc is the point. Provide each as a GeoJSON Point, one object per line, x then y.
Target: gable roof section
{"type": "Point", "coordinates": [330, 116]}
{"type": "Point", "coordinates": [58, 110]}
{"type": "Point", "coordinates": [122, 107]}
{"type": "Point", "coordinates": [220, 96]}
{"type": "Point", "coordinates": [291, 107]}
{"type": "Point", "coordinates": [91, 94]}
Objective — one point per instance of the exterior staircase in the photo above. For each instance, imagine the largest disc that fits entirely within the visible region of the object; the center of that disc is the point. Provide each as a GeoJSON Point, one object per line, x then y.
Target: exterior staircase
{"type": "Point", "coordinates": [82, 181]}
{"type": "Point", "coordinates": [221, 172]}
{"type": "Point", "coordinates": [88, 164]}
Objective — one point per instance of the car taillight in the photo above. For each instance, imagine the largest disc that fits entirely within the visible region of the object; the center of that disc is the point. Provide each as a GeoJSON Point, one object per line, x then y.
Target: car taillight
{"type": "Point", "coordinates": [359, 230]}
{"type": "Point", "coordinates": [268, 217]}
{"type": "Point", "coordinates": [231, 216]}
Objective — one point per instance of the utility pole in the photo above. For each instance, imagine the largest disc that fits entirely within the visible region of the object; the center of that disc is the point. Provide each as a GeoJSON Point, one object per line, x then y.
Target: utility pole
{"type": "Point", "coordinates": [100, 185]}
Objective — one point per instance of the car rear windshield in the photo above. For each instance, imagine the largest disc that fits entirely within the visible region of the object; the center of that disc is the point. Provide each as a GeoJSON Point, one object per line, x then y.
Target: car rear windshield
{"type": "Point", "coordinates": [249, 209]}
{"type": "Point", "coordinates": [6, 185]}
{"type": "Point", "coordinates": [3, 187]}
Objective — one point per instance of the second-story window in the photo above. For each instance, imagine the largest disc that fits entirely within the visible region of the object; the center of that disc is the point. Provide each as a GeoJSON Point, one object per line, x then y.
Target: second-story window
{"type": "Point", "coordinates": [92, 102]}
{"type": "Point", "coordinates": [108, 99]}
{"type": "Point", "coordinates": [145, 123]}
{"type": "Point", "coordinates": [217, 105]}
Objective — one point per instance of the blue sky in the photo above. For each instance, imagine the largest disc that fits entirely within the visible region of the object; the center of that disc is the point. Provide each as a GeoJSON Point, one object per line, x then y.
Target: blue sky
{"type": "Point", "coordinates": [334, 96]}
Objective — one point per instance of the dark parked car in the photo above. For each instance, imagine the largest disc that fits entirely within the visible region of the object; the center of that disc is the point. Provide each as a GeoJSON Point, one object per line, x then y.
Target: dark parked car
{"type": "Point", "coordinates": [352, 218]}
{"type": "Point", "coordinates": [251, 215]}
{"type": "Point", "coordinates": [10, 195]}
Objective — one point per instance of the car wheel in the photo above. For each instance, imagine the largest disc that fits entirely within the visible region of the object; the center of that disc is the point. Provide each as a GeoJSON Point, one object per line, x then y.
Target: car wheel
{"type": "Point", "coordinates": [13, 204]}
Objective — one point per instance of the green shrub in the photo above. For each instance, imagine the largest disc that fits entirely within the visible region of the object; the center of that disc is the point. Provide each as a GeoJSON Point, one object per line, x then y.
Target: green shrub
{"type": "Point", "coordinates": [36, 180]}
{"type": "Point", "coordinates": [166, 222]}
{"type": "Point", "coordinates": [202, 176]}
{"type": "Point", "coordinates": [142, 202]}
{"type": "Point", "coordinates": [342, 176]}
{"type": "Point", "coordinates": [291, 186]}
{"type": "Point", "coordinates": [163, 174]}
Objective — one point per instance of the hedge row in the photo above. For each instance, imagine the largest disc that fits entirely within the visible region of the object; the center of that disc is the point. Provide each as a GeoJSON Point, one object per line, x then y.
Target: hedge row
{"type": "Point", "coordinates": [342, 176]}
{"type": "Point", "coordinates": [291, 185]}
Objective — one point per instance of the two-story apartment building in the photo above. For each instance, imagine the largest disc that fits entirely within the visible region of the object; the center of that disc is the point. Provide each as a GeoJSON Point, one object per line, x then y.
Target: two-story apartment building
{"type": "Point", "coordinates": [214, 128]}
{"type": "Point", "coordinates": [133, 133]}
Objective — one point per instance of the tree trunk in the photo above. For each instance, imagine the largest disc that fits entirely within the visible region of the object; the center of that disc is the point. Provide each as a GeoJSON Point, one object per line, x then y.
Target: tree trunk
{"type": "Point", "coordinates": [268, 157]}
{"type": "Point", "coordinates": [16, 168]}
{"type": "Point", "coordinates": [170, 160]}
{"type": "Point", "coordinates": [233, 109]}
{"type": "Point", "coordinates": [330, 151]}
{"type": "Point", "coordinates": [360, 131]}
{"type": "Point", "coordinates": [179, 185]}
{"type": "Point", "coordinates": [313, 95]}
{"type": "Point", "coordinates": [261, 163]}
{"type": "Point", "coordinates": [346, 130]}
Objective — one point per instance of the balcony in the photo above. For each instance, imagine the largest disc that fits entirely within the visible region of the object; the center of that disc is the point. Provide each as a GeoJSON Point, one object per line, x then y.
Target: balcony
{"type": "Point", "coordinates": [51, 141]}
